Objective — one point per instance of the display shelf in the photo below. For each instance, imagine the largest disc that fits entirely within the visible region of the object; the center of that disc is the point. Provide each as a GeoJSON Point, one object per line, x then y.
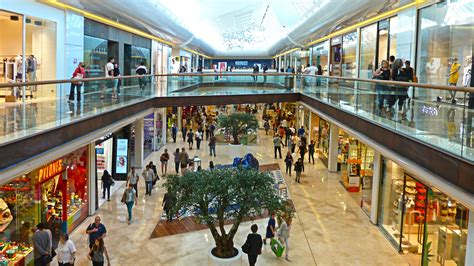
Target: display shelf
{"type": "Point", "coordinates": [15, 254]}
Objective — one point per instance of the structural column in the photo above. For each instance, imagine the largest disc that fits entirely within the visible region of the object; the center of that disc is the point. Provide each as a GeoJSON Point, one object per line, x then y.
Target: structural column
{"type": "Point", "coordinates": [333, 147]}
{"type": "Point", "coordinates": [164, 125]}
{"type": "Point", "coordinates": [470, 240]}
{"type": "Point", "coordinates": [375, 186]}
{"type": "Point", "coordinates": [139, 143]}
{"type": "Point", "coordinates": [92, 182]}
{"type": "Point", "coordinates": [180, 118]}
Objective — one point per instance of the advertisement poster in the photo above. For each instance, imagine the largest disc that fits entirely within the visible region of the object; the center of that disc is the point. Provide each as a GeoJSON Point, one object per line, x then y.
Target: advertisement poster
{"type": "Point", "coordinates": [122, 151]}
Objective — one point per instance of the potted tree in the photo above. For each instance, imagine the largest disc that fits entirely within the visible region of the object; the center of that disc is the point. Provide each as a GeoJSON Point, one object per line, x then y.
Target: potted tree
{"type": "Point", "coordinates": [224, 197]}
{"type": "Point", "coordinates": [237, 124]}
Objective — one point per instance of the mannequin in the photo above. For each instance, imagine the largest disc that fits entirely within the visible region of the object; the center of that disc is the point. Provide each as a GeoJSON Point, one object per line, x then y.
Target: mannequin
{"type": "Point", "coordinates": [466, 78]}
{"type": "Point", "coordinates": [31, 66]}
{"type": "Point", "coordinates": [453, 77]}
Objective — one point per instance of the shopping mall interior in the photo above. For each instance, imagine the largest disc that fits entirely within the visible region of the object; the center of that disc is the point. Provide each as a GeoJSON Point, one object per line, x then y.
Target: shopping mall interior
{"type": "Point", "coordinates": [342, 130]}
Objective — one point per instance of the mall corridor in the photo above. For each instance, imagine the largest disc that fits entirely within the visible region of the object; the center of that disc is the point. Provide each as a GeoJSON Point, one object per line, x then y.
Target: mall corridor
{"type": "Point", "coordinates": [330, 228]}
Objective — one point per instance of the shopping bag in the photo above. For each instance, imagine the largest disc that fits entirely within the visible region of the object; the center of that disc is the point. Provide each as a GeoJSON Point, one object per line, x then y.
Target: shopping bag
{"type": "Point", "coordinates": [277, 247]}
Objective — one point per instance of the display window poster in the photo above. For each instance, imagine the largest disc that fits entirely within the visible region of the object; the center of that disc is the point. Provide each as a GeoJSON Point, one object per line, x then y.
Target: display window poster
{"type": "Point", "coordinates": [122, 152]}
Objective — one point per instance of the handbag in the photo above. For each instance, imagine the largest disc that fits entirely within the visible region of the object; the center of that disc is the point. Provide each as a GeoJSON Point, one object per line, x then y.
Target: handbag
{"type": "Point", "coordinates": [46, 259]}
{"type": "Point", "coordinates": [246, 247]}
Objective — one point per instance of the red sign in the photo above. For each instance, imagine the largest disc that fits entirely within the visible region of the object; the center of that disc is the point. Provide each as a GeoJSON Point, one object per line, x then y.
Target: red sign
{"type": "Point", "coordinates": [50, 170]}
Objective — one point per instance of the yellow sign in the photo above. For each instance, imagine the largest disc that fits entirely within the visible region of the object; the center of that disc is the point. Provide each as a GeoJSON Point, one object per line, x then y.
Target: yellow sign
{"type": "Point", "coordinates": [50, 170]}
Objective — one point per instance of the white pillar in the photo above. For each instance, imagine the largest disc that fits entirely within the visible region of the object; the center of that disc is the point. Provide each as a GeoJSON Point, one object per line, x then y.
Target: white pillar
{"type": "Point", "coordinates": [285, 64]}
{"type": "Point", "coordinates": [375, 186]}
{"type": "Point", "coordinates": [91, 181]}
{"type": "Point", "coordinates": [180, 116]}
{"type": "Point", "coordinates": [470, 240]}
{"type": "Point", "coordinates": [139, 143]}
{"type": "Point", "coordinates": [333, 147]}
{"type": "Point", "coordinates": [164, 126]}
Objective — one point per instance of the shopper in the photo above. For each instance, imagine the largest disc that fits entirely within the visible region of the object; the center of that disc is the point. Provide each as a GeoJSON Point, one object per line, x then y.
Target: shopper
{"type": "Point", "coordinates": [255, 72]}
{"type": "Point", "coordinates": [277, 145]}
{"type": "Point", "coordinates": [79, 73]}
{"type": "Point", "coordinates": [96, 230]}
{"type": "Point", "coordinates": [142, 70]}
{"type": "Point", "coordinates": [107, 181]}
{"type": "Point", "coordinates": [271, 228]}
{"type": "Point", "coordinates": [299, 167]}
{"type": "Point", "coordinates": [168, 202]}
{"type": "Point", "coordinates": [302, 149]}
{"type": "Point", "coordinates": [253, 245]}
{"type": "Point", "coordinates": [284, 235]}
{"type": "Point", "coordinates": [311, 151]}
{"type": "Point", "coordinates": [301, 131]}
{"type": "Point", "coordinates": [190, 139]}
{"type": "Point", "coordinates": [109, 72]}
{"type": "Point", "coordinates": [66, 251]}
{"type": "Point", "coordinates": [266, 126]}
{"type": "Point", "coordinates": [212, 145]}
{"type": "Point", "coordinates": [183, 160]}
{"type": "Point", "coordinates": [382, 74]}
{"type": "Point", "coordinates": [320, 73]}
{"type": "Point", "coordinates": [164, 158]}
{"type": "Point", "coordinates": [96, 254]}
{"type": "Point", "coordinates": [198, 138]}
{"type": "Point", "coordinates": [294, 141]}
{"type": "Point", "coordinates": [211, 165]}
{"type": "Point", "coordinates": [149, 176]}
{"type": "Point", "coordinates": [399, 74]}
{"type": "Point", "coordinates": [174, 132]}
{"type": "Point", "coordinates": [129, 197]}
{"type": "Point", "coordinates": [184, 130]}
{"type": "Point", "coordinates": [117, 82]}
{"type": "Point", "coordinates": [133, 178]}
{"type": "Point", "coordinates": [41, 246]}
{"type": "Point", "coordinates": [176, 160]}
{"type": "Point", "coordinates": [288, 163]}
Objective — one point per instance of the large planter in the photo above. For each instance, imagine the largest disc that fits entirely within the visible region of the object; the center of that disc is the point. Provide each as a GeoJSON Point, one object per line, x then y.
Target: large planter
{"type": "Point", "coordinates": [236, 151]}
{"type": "Point", "coordinates": [215, 261]}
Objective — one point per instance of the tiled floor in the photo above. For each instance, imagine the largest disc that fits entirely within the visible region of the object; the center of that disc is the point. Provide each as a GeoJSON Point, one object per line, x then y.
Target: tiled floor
{"type": "Point", "coordinates": [329, 229]}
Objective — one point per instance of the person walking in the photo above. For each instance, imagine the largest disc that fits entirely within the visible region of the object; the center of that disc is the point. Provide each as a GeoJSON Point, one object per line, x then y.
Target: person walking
{"type": "Point", "coordinates": [96, 230]}
{"type": "Point", "coordinates": [399, 74]}
{"type": "Point", "coordinates": [284, 235]}
{"type": "Point", "coordinates": [168, 201]}
{"type": "Point", "coordinates": [266, 126]}
{"type": "Point", "coordinates": [149, 176]}
{"type": "Point", "coordinates": [198, 138]}
{"type": "Point", "coordinates": [141, 70]}
{"type": "Point", "coordinates": [176, 160]}
{"type": "Point", "coordinates": [129, 197]}
{"type": "Point", "coordinates": [184, 130]}
{"type": "Point", "coordinates": [253, 245]}
{"type": "Point", "coordinates": [41, 246]}
{"type": "Point", "coordinates": [311, 151]}
{"type": "Point", "coordinates": [79, 73]}
{"type": "Point", "coordinates": [164, 158]}
{"type": "Point", "coordinates": [212, 145]}
{"type": "Point", "coordinates": [96, 254]}
{"type": "Point", "coordinates": [277, 145]}
{"type": "Point", "coordinates": [271, 228]}
{"type": "Point", "coordinates": [255, 72]}
{"type": "Point", "coordinates": [183, 160]}
{"type": "Point", "coordinates": [109, 72]}
{"type": "Point", "coordinates": [66, 251]}
{"type": "Point", "coordinates": [302, 150]}
{"type": "Point", "coordinates": [301, 131]}
{"type": "Point", "coordinates": [106, 184]}
{"type": "Point", "coordinates": [133, 178]}
{"type": "Point", "coordinates": [190, 139]}
{"type": "Point", "coordinates": [382, 90]}
{"type": "Point", "coordinates": [211, 166]}
{"type": "Point", "coordinates": [117, 82]}
{"type": "Point", "coordinates": [299, 167]}
{"type": "Point", "coordinates": [174, 132]}
{"type": "Point", "coordinates": [288, 162]}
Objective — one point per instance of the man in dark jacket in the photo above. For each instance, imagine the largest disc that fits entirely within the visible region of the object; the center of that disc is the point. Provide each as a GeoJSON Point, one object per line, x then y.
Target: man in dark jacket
{"type": "Point", "coordinates": [253, 245]}
{"type": "Point", "coordinates": [41, 244]}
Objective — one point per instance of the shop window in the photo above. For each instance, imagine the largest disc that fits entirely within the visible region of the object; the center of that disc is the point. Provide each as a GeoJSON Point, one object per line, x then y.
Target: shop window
{"type": "Point", "coordinates": [10, 51]}
{"type": "Point", "coordinates": [321, 56]}
{"type": "Point", "coordinates": [95, 56]}
{"type": "Point", "coordinates": [368, 44]}
{"type": "Point", "coordinates": [349, 43]}
{"type": "Point", "coordinates": [446, 31]}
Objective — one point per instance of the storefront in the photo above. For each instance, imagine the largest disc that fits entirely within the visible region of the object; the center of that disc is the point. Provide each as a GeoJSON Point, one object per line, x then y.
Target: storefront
{"type": "Point", "coordinates": [323, 141]}
{"type": "Point", "coordinates": [420, 220]}
{"type": "Point", "coordinates": [336, 56]}
{"type": "Point", "coordinates": [37, 62]}
{"type": "Point", "coordinates": [152, 133]}
{"type": "Point", "coordinates": [55, 194]}
{"type": "Point", "coordinates": [320, 56]}
{"type": "Point", "coordinates": [349, 58]}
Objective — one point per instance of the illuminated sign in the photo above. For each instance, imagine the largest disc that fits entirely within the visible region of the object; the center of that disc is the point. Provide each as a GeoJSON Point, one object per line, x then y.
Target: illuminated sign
{"type": "Point", "coordinates": [122, 154]}
{"type": "Point", "coordinates": [50, 170]}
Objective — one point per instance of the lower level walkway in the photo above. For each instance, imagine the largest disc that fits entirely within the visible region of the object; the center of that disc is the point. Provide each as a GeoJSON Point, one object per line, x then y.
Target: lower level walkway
{"type": "Point", "coordinates": [329, 229]}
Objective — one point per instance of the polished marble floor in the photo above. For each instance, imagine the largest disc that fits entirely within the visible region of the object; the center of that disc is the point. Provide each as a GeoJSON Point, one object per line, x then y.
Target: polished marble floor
{"type": "Point", "coordinates": [329, 229]}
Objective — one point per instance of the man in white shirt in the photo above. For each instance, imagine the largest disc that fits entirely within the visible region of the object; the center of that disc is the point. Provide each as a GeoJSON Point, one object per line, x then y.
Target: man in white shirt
{"type": "Point", "coordinates": [133, 178]}
{"type": "Point", "coordinates": [141, 70]}
{"type": "Point", "coordinates": [109, 72]}
{"type": "Point", "coordinates": [310, 70]}
{"type": "Point", "coordinates": [148, 175]}
{"type": "Point", "coordinates": [198, 137]}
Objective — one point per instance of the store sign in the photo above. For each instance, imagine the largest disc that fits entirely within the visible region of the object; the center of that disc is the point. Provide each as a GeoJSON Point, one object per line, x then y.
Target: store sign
{"type": "Point", "coordinates": [122, 153]}
{"type": "Point", "coordinates": [241, 63]}
{"type": "Point", "coordinates": [50, 170]}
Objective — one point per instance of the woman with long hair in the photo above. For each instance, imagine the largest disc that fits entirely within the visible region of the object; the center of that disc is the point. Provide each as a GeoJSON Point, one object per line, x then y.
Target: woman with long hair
{"type": "Point", "coordinates": [106, 183]}
{"type": "Point", "coordinates": [96, 254]}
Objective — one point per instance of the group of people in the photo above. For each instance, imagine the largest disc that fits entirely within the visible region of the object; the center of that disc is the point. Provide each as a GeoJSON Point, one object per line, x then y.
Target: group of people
{"type": "Point", "coordinates": [254, 243]}
{"type": "Point", "coordinates": [396, 70]}
{"type": "Point", "coordinates": [111, 69]}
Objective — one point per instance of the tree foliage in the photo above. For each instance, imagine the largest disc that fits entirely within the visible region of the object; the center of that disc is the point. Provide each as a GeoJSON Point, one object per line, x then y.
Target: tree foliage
{"type": "Point", "coordinates": [214, 197]}
{"type": "Point", "coordinates": [238, 124]}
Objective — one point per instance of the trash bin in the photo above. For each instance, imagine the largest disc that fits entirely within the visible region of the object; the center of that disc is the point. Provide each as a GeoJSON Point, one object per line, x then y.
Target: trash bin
{"type": "Point", "coordinates": [289, 82]}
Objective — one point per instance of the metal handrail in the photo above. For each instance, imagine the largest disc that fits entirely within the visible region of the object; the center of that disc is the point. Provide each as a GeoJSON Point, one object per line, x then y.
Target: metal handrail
{"type": "Point", "coordinates": [385, 82]}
